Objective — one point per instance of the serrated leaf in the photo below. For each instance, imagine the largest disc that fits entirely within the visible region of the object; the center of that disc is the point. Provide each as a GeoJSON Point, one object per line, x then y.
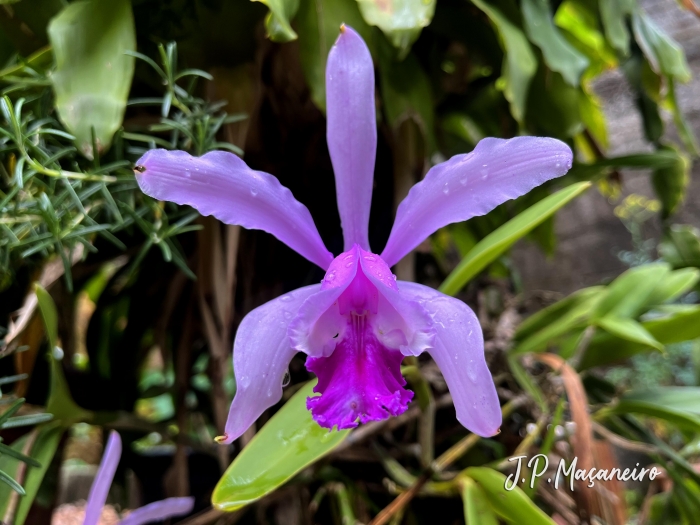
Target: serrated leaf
{"type": "Point", "coordinates": [290, 441]}
{"type": "Point", "coordinates": [93, 73]}
{"type": "Point", "coordinates": [497, 242]}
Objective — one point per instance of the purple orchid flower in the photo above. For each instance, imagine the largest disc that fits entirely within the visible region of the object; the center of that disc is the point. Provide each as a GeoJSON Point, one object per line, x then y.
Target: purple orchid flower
{"type": "Point", "coordinates": [359, 323]}
{"type": "Point", "coordinates": [157, 511]}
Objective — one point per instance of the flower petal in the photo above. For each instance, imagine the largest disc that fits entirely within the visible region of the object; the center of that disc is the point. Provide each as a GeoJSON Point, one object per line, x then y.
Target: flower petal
{"type": "Point", "coordinates": [359, 382]}
{"type": "Point", "coordinates": [474, 184]}
{"type": "Point", "coordinates": [319, 325]}
{"type": "Point", "coordinates": [400, 321]}
{"type": "Point", "coordinates": [261, 355]}
{"type": "Point", "coordinates": [351, 132]}
{"type": "Point", "coordinates": [159, 511]}
{"type": "Point", "coordinates": [221, 184]}
{"type": "Point", "coordinates": [103, 480]}
{"type": "Point", "coordinates": [459, 353]}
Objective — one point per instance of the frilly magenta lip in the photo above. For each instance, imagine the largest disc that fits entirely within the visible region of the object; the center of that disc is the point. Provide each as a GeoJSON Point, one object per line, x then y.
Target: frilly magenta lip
{"type": "Point", "coordinates": [357, 325]}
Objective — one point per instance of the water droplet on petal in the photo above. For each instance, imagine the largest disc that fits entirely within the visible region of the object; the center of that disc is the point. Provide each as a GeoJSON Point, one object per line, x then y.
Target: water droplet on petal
{"type": "Point", "coordinates": [286, 298]}
{"type": "Point", "coordinates": [348, 265]}
{"type": "Point", "coordinates": [288, 314]}
{"type": "Point", "coordinates": [463, 181]}
{"type": "Point", "coordinates": [286, 378]}
{"type": "Point", "coordinates": [253, 192]}
{"type": "Point", "coordinates": [370, 258]}
{"type": "Point", "coordinates": [446, 189]}
{"type": "Point", "coordinates": [393, 276]}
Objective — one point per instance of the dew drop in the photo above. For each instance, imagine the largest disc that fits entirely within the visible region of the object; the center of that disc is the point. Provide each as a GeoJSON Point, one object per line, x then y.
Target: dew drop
{"type": "Point", "coordinates": [286, 378]}
{"type": "Point", "coordinates": [348, 265]}
{"type": "Point", "coordinates": [370, 258]}
{"type": "Point", "coordinates": [393, 276]}
{"type": "Point", "coordinates": [286, 298]}
{"type": "Point", "coordinates": [445, 189]}
{"type": "Point", "coordinates": [253, 192]}
{"type": "Point", "coordinates": [287, 314]}
{"type": "Point", "coordinates": [463, 181]}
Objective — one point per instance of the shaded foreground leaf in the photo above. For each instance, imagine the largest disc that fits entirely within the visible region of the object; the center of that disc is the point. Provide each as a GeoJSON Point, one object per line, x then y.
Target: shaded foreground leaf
{"type": "Point", "coordinates": [289, 442]}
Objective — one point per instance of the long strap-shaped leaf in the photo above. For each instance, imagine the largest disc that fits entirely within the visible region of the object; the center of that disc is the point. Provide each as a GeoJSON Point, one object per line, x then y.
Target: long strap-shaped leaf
{"type": "Point", "coordinates": [498, 241]}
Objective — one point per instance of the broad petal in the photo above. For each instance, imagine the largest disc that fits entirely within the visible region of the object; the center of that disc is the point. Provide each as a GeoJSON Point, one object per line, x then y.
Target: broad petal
{"type": "Point", "coordinates": [221, 184]}
{"type": "Point", "coordinates": [261, 355]}
{"type": "Point", "coordinates": [103, 480]}
{"type": "Point", "coordinates": [474, 184]}
{"type": "Point", "coordinates": [159, 511]}
{"type": "Point", "coordinates": [459, 353]}
{"type": "Point", "coordinates": [351, 132]}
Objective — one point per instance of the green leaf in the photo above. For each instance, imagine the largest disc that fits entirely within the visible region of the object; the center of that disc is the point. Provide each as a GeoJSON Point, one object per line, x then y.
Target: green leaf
{"type": "Point", "coordinates": [400, 20]}
{"type": "Point", "coordinates": [60, 403]}
{"type": "Point", "coordinates": [629, 330]}
{"type": "Point", "coordinates": [290, 441]}
{"type": "Point", "coordinates": [630, 292]}
{"type": "Point", "coordinates": [665, 55]}
{"type": "Point", "coordinates": [677, 405]}
{"type": "Point", "coordinates": [406, 93]}
{"type": "Point", "coordinates": [93, 72]}
{"type": "Point", "coordinates": [519, 63]}
{"type": "Point", "coordinates": [476, 507]}
{"type": "Point", "coordinates": [277, 21]}
{"type": "Point", "coordinates": [682, 247]}
{"type": "Point", "coordinates": [682, 324]}
{"type": "Point", "coordinates": [42, 451]}
{"type": "Point", "coordinates": [498, 241]}
{"type": "Point", "coordinates": [49, 314]}
{"type": "Point", "coordinates": [671, 182]}
{"type": "Point", "coordinates": [511, 505]}
{"type": "Point", "coordinates": [318, 23]}
{"type": "Point", "coordinates": [558, 53]}
{"type": "Point", "coordinates": [556, 311]}
{"type": "Point", "coordinates": [614, 17]}
{"type": "Point", "coordinates": [674, 285]}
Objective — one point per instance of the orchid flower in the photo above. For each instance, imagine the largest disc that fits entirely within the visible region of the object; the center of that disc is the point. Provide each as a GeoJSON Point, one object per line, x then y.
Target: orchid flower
{"type": "Point", "coordinates": [153, 512]}
{"type": "Point", "coordinates": [357, 325]}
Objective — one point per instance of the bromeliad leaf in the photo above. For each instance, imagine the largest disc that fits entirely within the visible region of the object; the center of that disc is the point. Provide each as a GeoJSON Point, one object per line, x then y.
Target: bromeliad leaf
{"type": "Point", "coordinates": [400, 20]}
{"type": "Point", "coordinates": [93, 72]}
{"type": "Point", "coordinates": [289, 442]}
{"type": "Point", "coordinates": [497, 242]}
